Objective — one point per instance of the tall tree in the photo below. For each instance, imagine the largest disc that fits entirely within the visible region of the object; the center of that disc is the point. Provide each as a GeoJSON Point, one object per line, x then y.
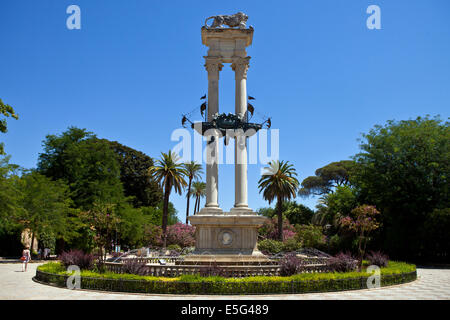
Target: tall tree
{"type": "Point", "coordinates": [93, 173]}
{"type": "Point", "coordinates": [194, 170]}
{"type": "Point", "coordinates": [46, 205]}
{"type": "Point", "coordinates": [9, 193]}
{"type": "Point", "coordinates": [53, 161]}
{"type": "Point", "coordinates": [327, 178]}
{"type": "Point", "coordinates": [87, 164]}
{"type": "Point", "coordinates": [7, 111]}
{"type": "Point", "coordinates": [198, 191]}
{"type": "Point", "coordinates": [280, 183]}
{"type": "Point", "coordinates": [404, 171]}
{"type": "Point", "coordinates": [133, 175]}
{"type": "Point", "coordinates": [169, 173]}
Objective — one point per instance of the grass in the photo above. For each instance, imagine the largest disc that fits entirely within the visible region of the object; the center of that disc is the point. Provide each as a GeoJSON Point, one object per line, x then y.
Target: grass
{"type": "Point", "coordinates": [392, 268]}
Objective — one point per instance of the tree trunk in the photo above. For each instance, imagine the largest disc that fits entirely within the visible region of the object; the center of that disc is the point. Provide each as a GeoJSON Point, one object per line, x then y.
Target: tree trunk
{"type": "Point", "coordinates": [32, 242]}
{"type": "Point", "coordinates": [188, 198]}
{"type": "Point", "coordinates": [280, 219]}
{"type": "Point", "coordinates": [195, 205]}
{"type": "Point", "coordinates": [198, 203]}
{"type": "Point", "coordinates": [167, 190]}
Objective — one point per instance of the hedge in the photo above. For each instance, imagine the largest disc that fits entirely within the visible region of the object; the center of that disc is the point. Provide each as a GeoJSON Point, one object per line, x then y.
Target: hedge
{"type": "Point", "coordinates": [396, 273]}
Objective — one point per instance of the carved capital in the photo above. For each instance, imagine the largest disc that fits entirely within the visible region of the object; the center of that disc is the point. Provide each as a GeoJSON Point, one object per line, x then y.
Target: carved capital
{"type": "Point", "coordinates": [213, 65]}
{"type": "Point", "coordinates": [240, 66]}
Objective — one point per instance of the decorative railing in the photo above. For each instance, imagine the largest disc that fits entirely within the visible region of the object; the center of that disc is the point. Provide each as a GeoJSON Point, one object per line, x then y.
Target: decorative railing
{"type": "Point", "coordinates": [153, 260]}
{"type": "Point", "coordinates": [227, 271]}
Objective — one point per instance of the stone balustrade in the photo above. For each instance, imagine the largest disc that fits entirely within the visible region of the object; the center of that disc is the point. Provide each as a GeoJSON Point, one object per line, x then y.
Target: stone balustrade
{"type": "Point", "coordinates": [227, 271]}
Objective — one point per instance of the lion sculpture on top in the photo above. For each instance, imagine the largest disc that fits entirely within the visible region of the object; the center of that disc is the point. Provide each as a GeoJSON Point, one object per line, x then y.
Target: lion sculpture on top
{"type": "Point", "coordinates": [235, 20]}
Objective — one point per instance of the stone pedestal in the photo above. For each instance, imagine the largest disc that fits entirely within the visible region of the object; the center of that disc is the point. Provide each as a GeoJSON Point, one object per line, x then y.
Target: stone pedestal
{"type": "Point", "coordinates": [227, 233]}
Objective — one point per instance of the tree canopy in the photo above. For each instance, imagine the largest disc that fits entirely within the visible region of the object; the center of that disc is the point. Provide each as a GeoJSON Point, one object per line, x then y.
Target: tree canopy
{"type": "Point", "coordinates": [404, 170]}
{"type": "Point", "coordinates": [134, 177]}
{"type": "Point", "coordinates": [327, 178]}
{"type": "Point", "coordinates": [7, 111]}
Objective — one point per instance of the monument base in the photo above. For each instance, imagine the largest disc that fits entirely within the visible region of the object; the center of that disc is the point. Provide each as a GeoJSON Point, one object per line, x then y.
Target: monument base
{"type": "Point", "coordinates": [228, 233]}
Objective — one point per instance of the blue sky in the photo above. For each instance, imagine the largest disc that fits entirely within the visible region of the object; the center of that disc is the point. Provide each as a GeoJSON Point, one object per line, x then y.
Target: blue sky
{"type": "Point", "coordinates": [136, 66]}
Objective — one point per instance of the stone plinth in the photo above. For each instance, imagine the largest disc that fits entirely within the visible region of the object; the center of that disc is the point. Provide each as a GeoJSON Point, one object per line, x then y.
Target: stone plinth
{"type": "Point", "coordinates": [227, 233]}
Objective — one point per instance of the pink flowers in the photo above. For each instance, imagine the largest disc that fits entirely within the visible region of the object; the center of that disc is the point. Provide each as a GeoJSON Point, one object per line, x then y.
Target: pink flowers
{"type": "Point", "coordinates": [270, 230]}
{"type": "Point", "coordinates": [181, 234]}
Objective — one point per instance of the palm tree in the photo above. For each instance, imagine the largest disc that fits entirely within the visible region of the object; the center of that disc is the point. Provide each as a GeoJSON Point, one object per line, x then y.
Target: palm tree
{"type": "Point", "coordinates": [168, 173]}
{"type": "Point", "coordinates": [198, 191]}
{"type": "Point", "coordinates": [280, 183]}
{"type": "Point", "coordinates": [194, 170]}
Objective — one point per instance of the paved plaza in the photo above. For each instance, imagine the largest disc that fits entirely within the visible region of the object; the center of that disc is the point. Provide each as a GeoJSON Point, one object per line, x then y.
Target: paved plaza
{"type": "Point", "coordinates": [432, 284]}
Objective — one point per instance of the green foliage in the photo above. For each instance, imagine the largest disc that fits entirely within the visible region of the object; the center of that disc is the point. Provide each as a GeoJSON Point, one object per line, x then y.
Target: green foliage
{"type": "Point", "coordinates": [46, 205]}
{"type": "Point", "coordinates": [133, 175]}
{"type": "Point", "coordinates": [154, 214]}
{"type": "Point", "coordinates": [436, 233]}
{"type": "Point", "coordinates": [9, 195]}
{"type": "Point", "coordinates": [194, 171]}
{"type": "Point", "coordinates": [169, 173]}
{"type": "Point", "coordinates": [88, 165]}
{"type": "Point", "coordinates": [270, 246]}
{"type": "Point", "coordinates": [296, 213]}
{"type": "Point", "coordinates": [333, 206]}
{"type": "Point", "coordinates": [404, 169]}
{"type": "Point", "coordinates": [279, 183]}
{"type": "Point", "coordinates": [7, 111]}
{"type": "Point", "coordinates": [291, 244]}
{"type": "Point", "coordinates": [198, 191]}
{"type": "Point", "coordinates": [93, 173]}
{"type": "Point", "coordinates": [174, 247]}
{"type": "Point", "coordinates": [327, 178]}
{"type": "Point", "coordinates": [310, 236]}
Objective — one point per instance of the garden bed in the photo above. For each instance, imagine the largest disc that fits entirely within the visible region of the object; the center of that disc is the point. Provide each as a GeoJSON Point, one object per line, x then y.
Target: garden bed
{"type": "Point", "coordinates": [395, 273]}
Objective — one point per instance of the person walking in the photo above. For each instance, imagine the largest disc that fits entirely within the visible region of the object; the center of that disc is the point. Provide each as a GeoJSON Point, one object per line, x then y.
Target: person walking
{"type": "Point", "coordinates": [26, 257]}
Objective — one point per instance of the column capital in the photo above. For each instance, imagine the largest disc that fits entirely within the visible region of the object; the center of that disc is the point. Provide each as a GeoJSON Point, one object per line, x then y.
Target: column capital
{"type": "Point", "coordinates": [213, 65]}
{"type": "Point", "coordinates": [240, 67]}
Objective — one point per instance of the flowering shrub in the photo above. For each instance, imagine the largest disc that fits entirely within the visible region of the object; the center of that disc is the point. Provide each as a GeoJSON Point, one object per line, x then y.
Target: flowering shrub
{"type": "Point", "coordinates": [133, 266]}
{"type": "Point", "coordinates": [290, 265]}
{"type": "Point", "coordinates": [342, 262]}
{"type": "Point", "coordinates": [378, 258]}
{"type": "Point", "coordinates": [269, 230]}
{"type": "Point", "coordinates": [77, 258]}
{"type": "Point", "coordinates": [181, 234]}
{"type": "Point", "coordinates": [361, 223]}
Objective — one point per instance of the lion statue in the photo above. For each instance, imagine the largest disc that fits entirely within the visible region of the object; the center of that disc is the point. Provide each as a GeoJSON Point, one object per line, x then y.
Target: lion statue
{"type": "Point", "coordinates": [235, 20]}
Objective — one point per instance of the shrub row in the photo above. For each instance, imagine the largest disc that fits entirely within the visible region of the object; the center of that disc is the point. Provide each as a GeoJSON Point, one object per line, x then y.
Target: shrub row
{"type": "Point", "coordinates": [218, 285]}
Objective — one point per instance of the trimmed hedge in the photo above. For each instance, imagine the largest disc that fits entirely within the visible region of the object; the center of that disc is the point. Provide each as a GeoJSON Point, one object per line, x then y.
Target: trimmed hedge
{"type": "Point", "coordinates": [397, 273]}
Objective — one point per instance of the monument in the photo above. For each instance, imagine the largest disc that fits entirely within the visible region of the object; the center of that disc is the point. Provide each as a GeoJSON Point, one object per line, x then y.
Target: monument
{"type": "Point", "coordinates": [218, 232]}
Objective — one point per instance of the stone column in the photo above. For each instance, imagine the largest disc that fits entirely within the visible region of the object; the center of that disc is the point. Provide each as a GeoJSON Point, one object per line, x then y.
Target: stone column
{"type": "Point", "coordinates": [240, 66]}
{"type": "Point", "coordinates": [213, 65]}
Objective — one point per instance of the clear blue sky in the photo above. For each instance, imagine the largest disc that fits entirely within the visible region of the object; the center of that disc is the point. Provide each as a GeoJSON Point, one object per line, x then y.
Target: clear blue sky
{"type": "Point", "coordinates": [136, 66]}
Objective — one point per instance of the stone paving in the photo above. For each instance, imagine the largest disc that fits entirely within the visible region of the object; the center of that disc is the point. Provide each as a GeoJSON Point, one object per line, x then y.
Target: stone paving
{"type": "Point", "coordinates": [432, 284]}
